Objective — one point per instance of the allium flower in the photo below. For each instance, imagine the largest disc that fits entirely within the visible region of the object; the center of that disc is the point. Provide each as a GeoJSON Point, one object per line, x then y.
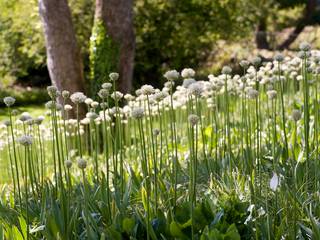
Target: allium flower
{"type": "Point", "coordinates": [147, 89]}
{"type": "Point", "coordinates": [7, 123]}
{"type": "Point", "coordinates": [51, 105]}
{"type": "Point", "coordinates": [196, 88]}
{"type": "Point", "coordinates": [296, 115]}
{"type": "Point", "coordinates": [114, 76]}
{"type": "Point", "coordinates": [39, 120]}
{"type": "Point", "coordinates": [252, 93]}
{"type": "Point", "coordinates": [88, 101]}
{"type": "Point", "coordinates": [25, 140]}
{"type": "Point", "coordinates": [116, 95]}
{"type": "Point", "coordinates": [65, 94]}
{"type": "Point", "coordinates": [25, 116]}
{"type": "Point", "coordinates": [68, 163]}
{"type": "Point", "coordinates": [226, 70]}
{"type": "Point", "coordinates": [159, 96]}
{"type": "Point", "coordinates": [244, 63]}
{"type": "Point", "coordinates": [128, 97]}
{"type": "Point", "coordinates": [305, 46]}
{"type": "Point", "coordinates": [53, 92]}
{"type": "Point", "coordinates": [279, 57]}
{"type": "Point", "coordinates": [92, 115]}
{"type": "Point", "coordinates": [193, 119]}
{"type": "Point", "coordinates": [82, 164]}
{"type": "Point", "coordinates": [9, 101]}
{"type": "Point", "coordinates": [106, 85]}
{"type": "Point", "coordinates": [155, 132]}
{"type": "Point", "coordinates": [103, 93]}
{"type": "Point", "coordinates": [187, 73]}
{"type": "Point", "coordinates": [272, 94]}
{"type": "Point", "coordinates": [171, 75]}
{"type": "Point", "coordinates": [78, 97]}
{"type": "Point", "coordinates": [67, 107]}
{"type": "Point", "coordinates": [256, 61]}
{"type": "Point", "coordinates": [30, 122]}
{"type": "Point", "coordinates": [168, 84]}
{"type": "Point", "coordinates": [187, 82]}
{"type": "Point", "coordinates": [94, 104]}
{"type": "Point", "coordinates": [137, 113]}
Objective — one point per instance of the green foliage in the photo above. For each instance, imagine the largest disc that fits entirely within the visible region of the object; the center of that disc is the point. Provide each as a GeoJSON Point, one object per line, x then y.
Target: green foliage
{"type": "Point", "coordinates": [22, 47]}
{"type": "Point", "coordinates": [103, 56]}
{"type": "Point", "coordinates": [173, 34]}
{"type": "Point", "coordinates": [25, 96]}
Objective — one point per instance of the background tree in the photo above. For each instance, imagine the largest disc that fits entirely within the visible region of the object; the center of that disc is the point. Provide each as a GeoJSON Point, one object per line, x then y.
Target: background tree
{"type": "Point", "coordinates": [63, 55]}
{"type": "Point", "coordinates": [113, 43]}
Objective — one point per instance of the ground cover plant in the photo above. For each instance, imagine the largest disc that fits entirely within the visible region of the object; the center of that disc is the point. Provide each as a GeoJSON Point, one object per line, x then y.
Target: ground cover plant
{"type": "Point", "coordinates": [233, 157]}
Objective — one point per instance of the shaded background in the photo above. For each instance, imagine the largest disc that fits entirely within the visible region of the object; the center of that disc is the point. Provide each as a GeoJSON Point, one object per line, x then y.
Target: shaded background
{"type": "Point", "coordinates": [169, 34]}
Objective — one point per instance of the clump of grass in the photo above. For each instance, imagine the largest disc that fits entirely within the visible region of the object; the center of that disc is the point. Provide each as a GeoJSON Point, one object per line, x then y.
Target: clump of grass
{"type": "Point", "coordinates": [235, 157]}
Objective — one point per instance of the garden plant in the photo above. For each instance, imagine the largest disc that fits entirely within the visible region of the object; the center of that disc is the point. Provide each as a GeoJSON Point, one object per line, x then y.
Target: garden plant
{"type": "Point", "coordinates": [232, 157]}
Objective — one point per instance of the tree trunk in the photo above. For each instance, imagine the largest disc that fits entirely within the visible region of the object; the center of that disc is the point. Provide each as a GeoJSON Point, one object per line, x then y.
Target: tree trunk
{"type": "Point", "coordinates": [117, 16]}
{"type": "Point", "coordinates": [304, 21]}
{"type": "Point", "coordinates": [261, 35]}
{"type": "Point", "coordinates": [63, 54]}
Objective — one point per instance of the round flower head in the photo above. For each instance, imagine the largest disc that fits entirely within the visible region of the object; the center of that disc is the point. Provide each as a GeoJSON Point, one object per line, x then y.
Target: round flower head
{"type": "Point", "coordinates": [67, 107]}
{"type": "Point", "coordinates": [155, 132]}
{"type": "Point", "coordinates": [88, 101]}
{"type": "Point", "coordinates": [187, 82]}
{"type": "Point", "coordinates": [9, 101]}
{"type": "Point", "coordinates": [25, 116]}
{"type": "Point", "coordinates": [106, 85]}
{"type": "Point", "coordinates": [68, 163]}
{"type": "Point", "coordinates": [279, 57]}
{"type": "Point", "coordinates": [272, 94]}
{"type": "Point", "coordinates": [103, 105]}
{"type": "Point", "coordinates": [15, 112]}
{"type": "Point", "coordinates": [187, 73]}
{"type": "Point", "coordinates": [256, 61]}
{"type": "Point", "coordinates": [244, 64]}
{"type": "Point", "coordinates": [116, 95]}
{"type": "Point", "coordinates": [58, 106]}
{"type": "Point", "coordinates": [137, 113]}
{"type": "Point", "coordinates": [193, 119]}
{"type": "Point", "coordinates": [94, 104]}
{"type": "Point", "coordinates": [114, 76]}
{"type": "Point", "coordinates": [82, 164]}
{"type": "Point", "coordinates": [39, 120]}
{"type": "Point", "coordinates": [226, 70]}
{"type": "Point", "coordinates": [65, 94]}
{"type": "Point", "coordinates": [169, 84]}
{"type": "Point", "coordinates": [147, 89]}
{"type": "Point", "coordinates": [78, 97]}
{"type": "Point", "coordinates": [92, 115]}
{"type": "Point", "coordinates": [296, 115]}
{"type": "Point", "coordinates": [196, 88]}
{"type": "Point", "coordinates": [53, 92]}
{"type": "Point", "coordinates": [129, 97]}
{"type": "Point", "coordinates": [25, 140]}
{"type": "Point", "coordinates": [305, 46]}
{"type": "Point", "coordinates": [171, 75]}
{"type": "Point", "coordinates": [50, 105]}
{"type": "Point", "coordinates": [30, 122]}
{"type": "Point", "coordinates": [252, 93]}
{"type": "Point", "coordinates": [103, 93]}
{"type": "Point", "coordinates": [7, 123]}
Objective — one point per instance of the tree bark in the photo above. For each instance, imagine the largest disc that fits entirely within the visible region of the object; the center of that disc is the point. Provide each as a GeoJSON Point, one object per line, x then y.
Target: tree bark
{"type": "Point", "coordinates": [261, 35]}
{"type": "Point", "coordinates": [117, 16]}
{"type": "Point", "coordinates": [63, 54]}
{"type": "Point", "coordinates": [302, 23]}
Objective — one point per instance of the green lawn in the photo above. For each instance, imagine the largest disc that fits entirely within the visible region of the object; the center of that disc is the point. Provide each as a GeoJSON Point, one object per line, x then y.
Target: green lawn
{"type": "Point", "coordinates": [34, 110]}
